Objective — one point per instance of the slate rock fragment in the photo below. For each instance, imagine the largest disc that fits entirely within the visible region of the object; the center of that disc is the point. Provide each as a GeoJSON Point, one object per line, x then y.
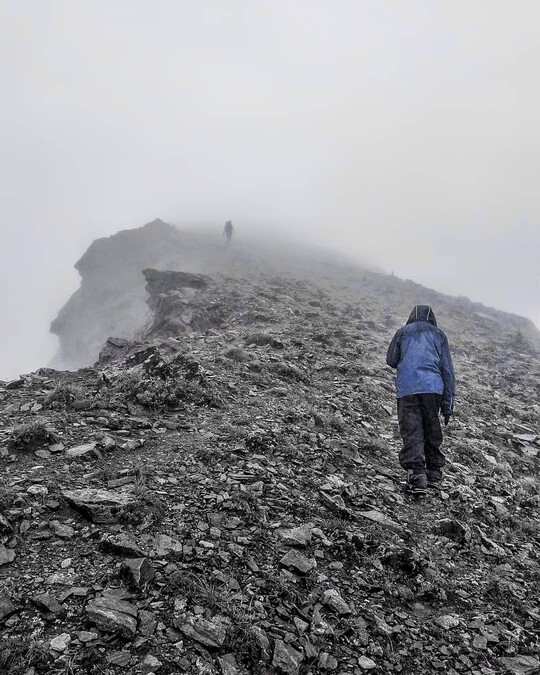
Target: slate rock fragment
{"type": "Point", "coordinates": [366, 663]}
{"type": "Point", "coordinates": [115, 616]}
{"type": "Point", "coordinates": [47, 603]}
{"type": "Point", "coordinates": [228, 665]}
{"type": "Point", "coordinates": [7, 555]}
{"type": "Point", "coordinates": [7, 608]}
{"type": "Point", "coordinates": [297, 561]}
{"type": "Point", "coordinates": [521, 665]}
{"type": "Point", "coordinates": [333, 599]}
{"type": "Point", "coordinates": [138, 572]}
{"type": "Point", "coordinates": [147, 623]}
{"type": "Point", "coordinates": [99, 505]}
{"type": "Point", "coordinates": [286, 658]}
{"type": "Point", "coordinates": [297, 536]}
{"type": "Point", "coordinates": [61, 642]}
{"type": "Point", "coordinates": [208, 633]}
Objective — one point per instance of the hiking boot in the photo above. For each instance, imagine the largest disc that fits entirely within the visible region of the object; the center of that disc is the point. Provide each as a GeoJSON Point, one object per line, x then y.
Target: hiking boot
{"type": "Point", "coordinates": [416, 482]}
{"type": "Point", "coordinates": [434, 478]}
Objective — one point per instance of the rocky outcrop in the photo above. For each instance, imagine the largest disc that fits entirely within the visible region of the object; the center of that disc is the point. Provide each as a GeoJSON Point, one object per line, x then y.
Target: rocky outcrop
{"type": "Point", "coordinates": [134, 283]}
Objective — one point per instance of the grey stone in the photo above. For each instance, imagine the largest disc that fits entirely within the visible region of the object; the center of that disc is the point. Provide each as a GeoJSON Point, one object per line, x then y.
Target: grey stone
{"type": "Point", "coordinates": [334, 600]}
{"type": "Point", "coordinates": [208, 633]}
{"type": "Point", "coordinates": [521, 665]}
{"type": "Point", "coordinates": [228, 665]}
{"type": "Point", "coordinates": [81, 450]}
{"type": "Point", "coordinates": [138, 571]}
{"type": "Point", "coordinates": [327, 661]}
{"type": "Point", "coordinates": [150, 664]}
{"type": "Point", "coordinates": [381, 519]}
{"type": "Point", "coordinates": [115, 616]}
{"type": "Point", "coordinates": [147, 623]}
{"type": "Point", "coordinates": [297, 536]}
{"type": "Point", "coordinates": [48, 603]}
{"type": "Point", "coordinates": [7, 608]}
{"type": "Point", "coordinates": [63, 531]}
{"type": "Point", "coordinates": [7, 555]}
{"type": "Point", "coordinates": [447, 621]}
{"type": "Point", "coordinates": [286, 658]}
{"type": "Point", "coordinates": [98, 505]}
{"type": "Point", "coordinates": [121, 658]}
{"type": "Point", "coordinates": [165, 545]}
{"type": "Point", "coordinates": [366, 664]}
{"type": "Point", "coordinates": [297, 561]}
{"type": "Point", "coordinates": [61, 642]}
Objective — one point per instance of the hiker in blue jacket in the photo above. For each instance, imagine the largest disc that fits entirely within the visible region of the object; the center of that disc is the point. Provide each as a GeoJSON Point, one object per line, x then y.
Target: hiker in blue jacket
{"type": "Point", "coordinates": [425, 385]}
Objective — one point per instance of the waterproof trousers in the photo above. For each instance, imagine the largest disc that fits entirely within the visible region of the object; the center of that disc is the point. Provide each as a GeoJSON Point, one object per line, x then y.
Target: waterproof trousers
{"type": "Point", "coordinates": [421, 432]}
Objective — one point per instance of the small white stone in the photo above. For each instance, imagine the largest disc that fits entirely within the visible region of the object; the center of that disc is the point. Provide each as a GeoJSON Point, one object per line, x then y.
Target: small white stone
{"type": "Point", "coordinates": [61, 642]}
{"type": "Point", "coordinates": [366, 664]}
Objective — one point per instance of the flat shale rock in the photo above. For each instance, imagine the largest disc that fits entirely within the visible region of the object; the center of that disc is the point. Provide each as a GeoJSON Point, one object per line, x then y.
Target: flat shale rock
{"type": "Point", "coordinates": [521, 665]}
{"type": "Point", "coordinates": [381, 519]}
{"type": "Point", "coordinates": [7, 608]}
{"type": "Point", "coordinates": [115, 616]}
{"type": "Point", "coordinates": [81, 451]}
{"type": "Point", "coordinates": [297, 561]}
{"type": "Point", "coordinates": [63, 531]}
{"type": "Point", "coordinates": [7, 555]}
{"type": "Point", "coordinates": [297, 536]}
{"type": "Point", "coordinates": [98, 505]}
{"type": "Point", "coordinates": [208, 633]}
{"type": "Point", "coordinates": [286, 659]}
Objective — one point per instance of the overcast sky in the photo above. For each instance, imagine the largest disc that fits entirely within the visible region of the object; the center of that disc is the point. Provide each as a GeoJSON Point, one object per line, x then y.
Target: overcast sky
{"type": "Point", "coordinates": [404, 130]}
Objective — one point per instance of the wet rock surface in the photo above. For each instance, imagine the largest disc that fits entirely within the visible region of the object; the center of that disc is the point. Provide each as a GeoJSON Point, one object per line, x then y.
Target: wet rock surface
{"type": "Point", "coordinates": [238, 505]}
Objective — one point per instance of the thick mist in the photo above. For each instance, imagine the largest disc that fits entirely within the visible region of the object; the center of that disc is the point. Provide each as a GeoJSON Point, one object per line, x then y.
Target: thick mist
{"type": "Point", "coordinates": [402, 133]}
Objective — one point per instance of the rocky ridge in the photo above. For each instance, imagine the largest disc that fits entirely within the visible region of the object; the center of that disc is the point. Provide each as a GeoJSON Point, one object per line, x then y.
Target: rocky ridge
{"type": "Point", "coordinates": [111, 300]}
{"type": "Point", "coordinates": [223, 496]}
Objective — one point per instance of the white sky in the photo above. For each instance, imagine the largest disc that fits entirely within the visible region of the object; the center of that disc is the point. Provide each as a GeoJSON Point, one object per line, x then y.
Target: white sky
{"type": "Point", "coordinates": [404, 130]}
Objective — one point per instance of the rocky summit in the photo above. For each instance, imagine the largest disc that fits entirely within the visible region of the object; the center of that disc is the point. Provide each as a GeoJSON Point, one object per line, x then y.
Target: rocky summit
{"type": "Point", "coordinates": [219, 492]}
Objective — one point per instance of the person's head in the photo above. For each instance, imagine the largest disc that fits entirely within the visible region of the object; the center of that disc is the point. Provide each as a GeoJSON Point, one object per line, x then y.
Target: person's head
{"type": "Point", "coordinates": [422, 313]}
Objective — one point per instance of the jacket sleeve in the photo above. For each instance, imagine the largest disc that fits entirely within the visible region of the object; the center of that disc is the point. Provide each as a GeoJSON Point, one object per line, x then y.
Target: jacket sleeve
{"type": "Point", "coordinates": [447, 370]}
{"type": "Point", "coordinates": [393, 355]}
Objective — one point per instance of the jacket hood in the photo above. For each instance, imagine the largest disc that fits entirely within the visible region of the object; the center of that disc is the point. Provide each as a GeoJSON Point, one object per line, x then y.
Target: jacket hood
{"type": "Point", "coordinates": [422, 313]}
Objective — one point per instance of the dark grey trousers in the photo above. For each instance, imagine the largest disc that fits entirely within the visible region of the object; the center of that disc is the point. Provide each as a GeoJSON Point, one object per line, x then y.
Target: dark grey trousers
{"type": "Point", "coordinates": [421, 432]}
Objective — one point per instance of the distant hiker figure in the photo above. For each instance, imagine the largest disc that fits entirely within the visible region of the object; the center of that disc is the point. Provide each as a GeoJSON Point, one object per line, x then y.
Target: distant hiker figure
{"type": "Point", "coordinates": [228, 231]}
{"type": "Point", "coordinates": [425, 385]}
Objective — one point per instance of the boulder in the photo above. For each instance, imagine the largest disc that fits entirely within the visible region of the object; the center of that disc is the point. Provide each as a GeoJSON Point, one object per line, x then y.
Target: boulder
{"type": "Point", "coordinates": [98, 505]}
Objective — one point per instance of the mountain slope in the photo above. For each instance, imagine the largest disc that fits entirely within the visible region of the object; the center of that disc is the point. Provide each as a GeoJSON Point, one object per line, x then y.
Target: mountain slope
{"type": "Point", "coordinates": [111, 300]}
{"type": "Point", "coordinates": [224, 496]}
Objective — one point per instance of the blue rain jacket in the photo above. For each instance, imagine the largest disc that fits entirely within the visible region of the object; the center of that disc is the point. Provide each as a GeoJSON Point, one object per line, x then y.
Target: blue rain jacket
{"type": "Point", "coordinates": [420, 352]}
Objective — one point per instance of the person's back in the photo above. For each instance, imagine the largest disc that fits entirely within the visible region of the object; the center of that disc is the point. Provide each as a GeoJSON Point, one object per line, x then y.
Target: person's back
{"type": "Point", "coordinates": [425, 384]}
{"type": "Point", "coordinates": [419, 352]}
